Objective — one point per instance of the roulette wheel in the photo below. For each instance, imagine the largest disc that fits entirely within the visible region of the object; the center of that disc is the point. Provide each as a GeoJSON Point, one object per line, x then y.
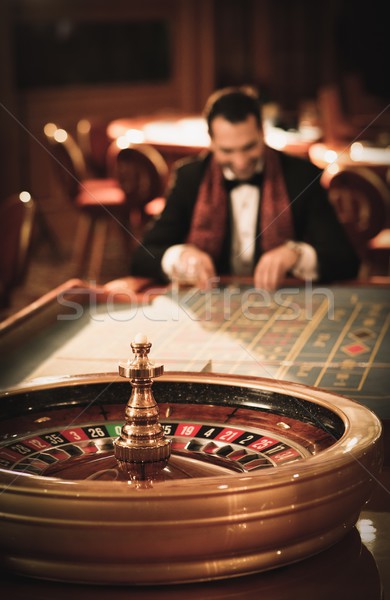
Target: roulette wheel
{"type": "Point", "coordinates": [207, 477]}
{"type": "Point", "coordinates": [349, 562]}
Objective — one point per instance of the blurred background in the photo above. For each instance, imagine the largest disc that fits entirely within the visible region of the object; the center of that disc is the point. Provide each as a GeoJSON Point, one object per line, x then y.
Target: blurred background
{"type": "Point", "coordinates": [67, 61]}
{"type": "Point", "coordinates": [64, 60]}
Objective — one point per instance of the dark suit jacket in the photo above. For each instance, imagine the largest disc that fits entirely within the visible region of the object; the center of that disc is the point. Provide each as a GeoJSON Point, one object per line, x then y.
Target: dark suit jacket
{"type": "Point", "coordinates": [314, 218]}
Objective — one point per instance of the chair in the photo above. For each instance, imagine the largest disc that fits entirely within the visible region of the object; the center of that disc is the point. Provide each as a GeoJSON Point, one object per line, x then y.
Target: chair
{"type": "Point", "coordinates": [94, 142]}
{"type": "Point", "coordinates": [362, 203]}
{"type": "Point", "coordinates": [17, 215]}
{"type": "Point", "coordinates": [142, 173]}
{"type": "Point", "coordinates": [360, 102]}
{"type": "Point", "coordinates": [379, 252]}
{"type": "Point", "coordinates": [100, 202]}
{"type": "Point", "coordinates": [335, 125]}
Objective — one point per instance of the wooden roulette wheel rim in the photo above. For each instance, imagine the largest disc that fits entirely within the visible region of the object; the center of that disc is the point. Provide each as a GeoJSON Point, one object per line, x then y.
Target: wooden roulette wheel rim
{"type": "Point", "coordinates": [199, 528]}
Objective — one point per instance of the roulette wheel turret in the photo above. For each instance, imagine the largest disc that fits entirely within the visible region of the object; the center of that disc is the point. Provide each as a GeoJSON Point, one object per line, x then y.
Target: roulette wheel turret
{"type": "Point", "coordinates": [141, 450]}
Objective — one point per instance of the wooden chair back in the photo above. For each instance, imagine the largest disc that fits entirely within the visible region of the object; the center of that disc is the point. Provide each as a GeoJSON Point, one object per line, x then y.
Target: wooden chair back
{"type": "Point", "coordinates": [66, 158]}
{"type": "Point", "coordinates": [17, 215]}
{"type": "Point", "coordinates": [141, 171]}
{"type": "Point", "coordinates": [94, 142]}
{"type": "Point", "coordinates": [362, 202]}
{"type": "Point", "coordinates": [335, 125]}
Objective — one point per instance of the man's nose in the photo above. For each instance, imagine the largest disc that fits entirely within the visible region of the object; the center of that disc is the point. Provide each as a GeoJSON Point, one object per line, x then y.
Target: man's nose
{"type": "Point", "coordinates": [240, 161]}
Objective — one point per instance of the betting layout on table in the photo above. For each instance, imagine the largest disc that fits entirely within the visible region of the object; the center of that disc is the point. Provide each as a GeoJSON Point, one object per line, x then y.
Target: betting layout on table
{"type": "Point", "coordinates": [333, 338]}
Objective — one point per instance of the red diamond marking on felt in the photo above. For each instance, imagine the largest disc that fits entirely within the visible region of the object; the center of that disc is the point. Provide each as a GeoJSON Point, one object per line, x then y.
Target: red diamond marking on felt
{"type": "Point", "coordinates": [354, 349]}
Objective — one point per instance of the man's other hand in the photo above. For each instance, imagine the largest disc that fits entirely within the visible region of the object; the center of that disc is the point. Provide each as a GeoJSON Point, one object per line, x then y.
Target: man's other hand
{"type": "Point", "coordinates": [194, 267]}
{"type": "Point", "coordinates": [273, 267]}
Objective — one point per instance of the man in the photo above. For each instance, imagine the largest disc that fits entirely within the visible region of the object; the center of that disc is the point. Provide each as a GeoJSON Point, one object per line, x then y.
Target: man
{"type": "Point", "coordinates": [244, 208]}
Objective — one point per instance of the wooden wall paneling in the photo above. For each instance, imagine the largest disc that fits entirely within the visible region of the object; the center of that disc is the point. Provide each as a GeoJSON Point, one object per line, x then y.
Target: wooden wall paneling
{"type": "Point", "coordinates": [233, 42]}
{"type": "Point", "coordinates": [261, 34]}
{"type": "Point", "coordinates": [10, 164]}
{"type": "Point", "coordinates": [204, 59]}
{"type": "Point", "coordinates": [194, 57]}
{"type": "Point", "coordinates": [190, 23]}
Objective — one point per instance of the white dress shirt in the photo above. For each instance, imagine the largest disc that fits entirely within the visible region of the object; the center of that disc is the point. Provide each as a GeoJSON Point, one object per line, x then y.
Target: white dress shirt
{"type": "Point", "coordinates": [245, 203]}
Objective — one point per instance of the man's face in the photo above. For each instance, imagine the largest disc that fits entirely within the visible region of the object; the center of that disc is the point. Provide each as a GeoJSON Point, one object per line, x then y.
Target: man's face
{"type": "Point", "coordinates": [238, 146]}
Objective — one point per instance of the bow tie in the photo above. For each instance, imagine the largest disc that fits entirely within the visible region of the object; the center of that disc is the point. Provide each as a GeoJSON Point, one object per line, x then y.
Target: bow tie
{"type": "Point", "coordinates": [256, 180]}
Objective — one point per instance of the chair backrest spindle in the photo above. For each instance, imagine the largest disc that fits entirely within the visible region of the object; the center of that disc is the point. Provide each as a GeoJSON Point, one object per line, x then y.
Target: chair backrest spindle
{"type": "Point", "coordinates": [17, 216]}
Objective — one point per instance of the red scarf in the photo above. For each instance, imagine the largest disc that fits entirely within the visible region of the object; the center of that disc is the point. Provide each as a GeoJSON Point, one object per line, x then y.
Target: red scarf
{"type": "Point", "coordinates": [208, 225]}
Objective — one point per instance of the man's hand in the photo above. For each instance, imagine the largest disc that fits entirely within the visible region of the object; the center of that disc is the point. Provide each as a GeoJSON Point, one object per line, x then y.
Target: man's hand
{"type": "Point", "coordinates": [273, 267]}
{"type": "Point", "coordinates": [194, 267]}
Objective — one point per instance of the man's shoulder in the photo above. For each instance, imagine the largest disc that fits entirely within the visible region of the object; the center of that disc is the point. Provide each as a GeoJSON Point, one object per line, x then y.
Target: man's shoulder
{"type": "Point", "coordinates": [302, 179]}
{"type": "Point", "coordinates": [192, 165]}
{"type": "Point", "coordinates": [297, 164]}
{"type": "Point", "coordinates": [187, 173]}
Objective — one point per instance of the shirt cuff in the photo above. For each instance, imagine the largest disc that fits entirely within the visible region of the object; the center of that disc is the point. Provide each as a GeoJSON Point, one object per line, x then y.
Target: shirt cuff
{"type": "Point", "coordinates": [171, 258]}
{"type": "Point", "coordinates": [306, 267]}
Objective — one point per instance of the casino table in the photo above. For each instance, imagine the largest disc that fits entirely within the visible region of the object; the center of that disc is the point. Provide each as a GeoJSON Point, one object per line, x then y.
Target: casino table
{"type": "Point", "coordinates": [330, 340]}
{"type": "Point", "coordinates": [335, 338]}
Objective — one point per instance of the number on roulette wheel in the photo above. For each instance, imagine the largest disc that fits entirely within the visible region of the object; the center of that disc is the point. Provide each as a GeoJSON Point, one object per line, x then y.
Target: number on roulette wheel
{"type": "Point", "coordinates": [267, 473]}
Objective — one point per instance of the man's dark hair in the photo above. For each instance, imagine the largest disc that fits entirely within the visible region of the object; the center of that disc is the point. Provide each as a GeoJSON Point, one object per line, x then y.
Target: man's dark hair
{"type": "Point", "coordinates": [234, 104]}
